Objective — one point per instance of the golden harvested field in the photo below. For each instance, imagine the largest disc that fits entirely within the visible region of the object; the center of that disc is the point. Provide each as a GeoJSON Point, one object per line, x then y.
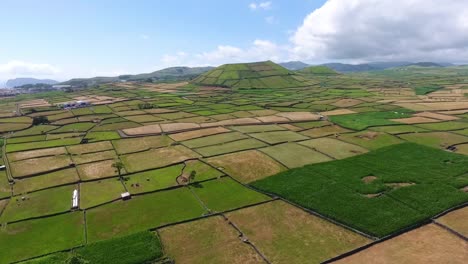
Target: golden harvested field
{"type": "Point", "coordinates": [426, 245]}
{"type": "Point", "coordinates": [247, 166]}
{"type": "Point", "coordinates": [211, 240]}
{"type": "Point", "coordinates": [456, 220]}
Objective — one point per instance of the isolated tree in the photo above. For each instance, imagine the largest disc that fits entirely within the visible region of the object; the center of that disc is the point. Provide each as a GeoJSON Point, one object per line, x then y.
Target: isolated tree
{"type": "Point", "coordinates": [118, 165]}
{"type": "Point", "coordinates": [39, 120]}
{"type": "Point", "coordinates": [192, 176]}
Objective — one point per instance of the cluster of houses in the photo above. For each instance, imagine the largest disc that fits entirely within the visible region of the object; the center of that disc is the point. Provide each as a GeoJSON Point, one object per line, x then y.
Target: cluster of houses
{"type": "Point", "coordinates": [75, 104]}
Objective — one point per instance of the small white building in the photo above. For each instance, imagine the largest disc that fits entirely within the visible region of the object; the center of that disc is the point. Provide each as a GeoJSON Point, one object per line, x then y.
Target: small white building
{"type": "Point", "coordinates": [125, 196]}
{"type": "Point", "coordinates": [2, 167]}
{"type": "Point", "coordinates": [75, 200]}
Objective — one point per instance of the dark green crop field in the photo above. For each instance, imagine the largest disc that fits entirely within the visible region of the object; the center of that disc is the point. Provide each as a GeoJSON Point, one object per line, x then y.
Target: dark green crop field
{"type": "Point", "coordinates": [373, 195]}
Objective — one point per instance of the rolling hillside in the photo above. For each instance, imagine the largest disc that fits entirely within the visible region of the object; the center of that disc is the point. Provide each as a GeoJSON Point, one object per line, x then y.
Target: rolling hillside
{"type": "Point", "coordinates": [251, 75]}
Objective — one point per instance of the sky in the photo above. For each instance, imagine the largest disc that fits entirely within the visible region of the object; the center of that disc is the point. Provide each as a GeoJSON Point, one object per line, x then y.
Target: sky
{"type": "Point", "coordinates": [63, 39]}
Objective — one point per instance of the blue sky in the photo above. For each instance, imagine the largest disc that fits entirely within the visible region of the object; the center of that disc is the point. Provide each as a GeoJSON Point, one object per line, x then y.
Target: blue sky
{"type": "Point", "coordinates": [85, 37]}
{"type": "Point", "coordinates": [61, 39]}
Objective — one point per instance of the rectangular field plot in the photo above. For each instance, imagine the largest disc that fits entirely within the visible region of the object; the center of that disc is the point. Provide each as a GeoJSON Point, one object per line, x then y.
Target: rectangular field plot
{"type": "Point", "coordinates": [247, 166]}
{"type": "Point", "coordinates": [90, 148]}
{"type": "Point", "coordinates": [209, 240]}
{"type": "Point", "coordinates": [198, 133]}
{"type": "Point", "coordinates": [157, 158]}
{"type": "Point", "coordinates": [97, 170]}
{"type": "Point", "coordinates": [5, 189]}
{"type": "Point", "coordinates": [153, 180]}
{"type": "Point", "coordinates": [324, 131]}
{"type": "Point", "coordinates": [213, 140]}
{"type": "Point", "coordinates": [16, 156]}
{"type": "Point", "coordinates": [229, 147]}
{"type": "Point", "coordinates": [362, 121]}
{"type": "Point", "coordinates": [42, 144]}
{"type": "Point", "coordinates": [445, 126]}
{"type": "Point", "coordinates": [41, 236]}
{"type": "Point", "coordinates": [294, 155]}
{"type": "Point", "coordinates": [298, 237]}
{"type": "Point", "coordinates": [258, 128]}
{"type": "Point", "coordinates": [428, 244]}
{"type": "Point", "coordinates": [141, 213]}
{"type": "Point", "coordinates": [96, 156]}
{"type": "Point", "coordinates": [41, 203]}
{"type": "Point", "coordinates": [334, 147]}
{"type": "Point", "coordinates": [99, 192]}
{"type": "Point", "coordinates": [34, 166]}
{"type": "Point", "coordinates": [370, 139]}
{"type": "Point", "coordinates": [124, 146]}
{"type": "Point", "coordinates": [398, 129]}
{"type": "Point", "coordinates": [373, 195]}
{"type": "Point", "coordinates": [226, 194]}
{"type": "Point", "coordinates": [275, 137]}
{"type": "Point", "coordinates": [56, 178]}
{"type": "Point", "coordinates": [456, 220]}
{"type": "Point", "coordinates": [435, 139]}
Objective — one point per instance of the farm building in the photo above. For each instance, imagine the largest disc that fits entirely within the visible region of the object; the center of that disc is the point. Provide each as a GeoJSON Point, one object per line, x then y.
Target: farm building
{"type": "Point", "coordinates": [75, 104]}
{"type": "Point", "coordinates": [75, 199]}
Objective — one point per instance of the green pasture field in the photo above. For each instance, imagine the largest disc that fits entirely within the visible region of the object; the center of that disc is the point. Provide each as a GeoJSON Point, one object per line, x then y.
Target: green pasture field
{"type": "Point", "coordinates": [234, 146]}
{"type": "Point", "coordinates": [99, 192]}
{"type": "Point", "coordinates": [5, 190]}
{"type": "Point", "coordinates": [444, 126]}
{"type": "Point", "coordinates": [214, 140]}
{"type": "Point", "coordinates": [435, 139]}
{"type": "Point", "coordinates": [26, 139]}
{"type": "Point", "coordinates": [46, 202]}
{"type": "Point", "coordinates": [153, 180]}
{"type": "Point", "coordinates": [141, 213]}
{"type": "Point", "coordinates": [56, 178]}
{"type": "Point", "coordinates": [398, 129]}
{"type": "Point", "coordinates": [334, 147]}
{"type": "Point", "coordinates": [362, 121]}
{"type": "Point", "coordinates": [75, 127]}
{"type": "Point", "coordinates": [101, 136]}
{"type": "Point", "coordinates": [225, 194]}
{"type": "Point", "coordinates": [35, 130]}
{"type": "Point", "coordinates": [41, 236]}
{"type": "Point", "coordinates": [275, 137]}
{"type": "Point", "coordinates": [42, 144]}
{"type": "Point", "coordinates": [370, 140]}
{"type": "Point", "coordinates": [417, 184]}
{"type": "Point", "coordinates": [294, 155]}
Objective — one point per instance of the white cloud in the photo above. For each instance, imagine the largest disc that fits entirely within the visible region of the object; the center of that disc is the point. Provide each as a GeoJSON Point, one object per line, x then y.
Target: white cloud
{"type": "Point", "coordinates": [384, 30]}
{"type": "Point", "coordinates": [262, 5]}
{"type": "Point", "coordinates": [16, 68]}
{"type": "Point", "coordinates": [259, 50]}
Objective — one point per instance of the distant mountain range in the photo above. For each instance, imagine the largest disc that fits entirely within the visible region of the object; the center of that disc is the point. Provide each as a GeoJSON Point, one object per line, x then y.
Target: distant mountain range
{"type": "Point", "coordinates": [23, 81]}
{"type": "Point", "coordinates": [371, 66]}
{"type": "Point", "coordinates": [168, 74]}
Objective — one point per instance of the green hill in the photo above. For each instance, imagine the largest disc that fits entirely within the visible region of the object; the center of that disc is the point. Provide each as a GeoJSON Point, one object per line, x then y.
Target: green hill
{"type": "Point", "coordinates": [318, 70]}
{"type": "Point", "coordinates": [251, 75]}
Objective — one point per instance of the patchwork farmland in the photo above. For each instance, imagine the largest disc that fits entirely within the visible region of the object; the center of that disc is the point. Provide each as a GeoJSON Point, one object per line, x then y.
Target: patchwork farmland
{"type": "Point", "coordinates": [247, 163]}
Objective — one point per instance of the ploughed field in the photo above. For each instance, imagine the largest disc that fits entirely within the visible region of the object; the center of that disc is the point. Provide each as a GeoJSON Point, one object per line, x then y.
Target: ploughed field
{"type": "Point", "coordinates": [250, 163]}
